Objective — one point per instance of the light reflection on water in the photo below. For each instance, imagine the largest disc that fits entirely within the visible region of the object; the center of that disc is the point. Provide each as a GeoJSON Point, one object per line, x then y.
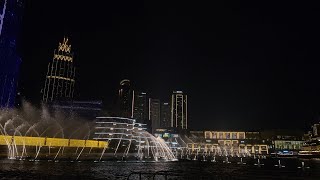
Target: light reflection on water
{"type": "Point", "coordinates": [11, 169]}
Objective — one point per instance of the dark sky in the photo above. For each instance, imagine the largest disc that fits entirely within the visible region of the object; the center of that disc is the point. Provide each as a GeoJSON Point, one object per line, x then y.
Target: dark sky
{"type": "Point", "coordinates": [243, 66]}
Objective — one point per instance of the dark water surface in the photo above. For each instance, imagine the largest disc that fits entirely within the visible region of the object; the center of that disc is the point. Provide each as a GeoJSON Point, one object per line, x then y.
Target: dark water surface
{"type": "Point", "coordinates": [14, 169]}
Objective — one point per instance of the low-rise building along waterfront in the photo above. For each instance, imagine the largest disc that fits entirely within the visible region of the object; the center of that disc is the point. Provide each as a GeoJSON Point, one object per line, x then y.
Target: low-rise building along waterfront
{"type": "Point", "coordinates": [229, 143]}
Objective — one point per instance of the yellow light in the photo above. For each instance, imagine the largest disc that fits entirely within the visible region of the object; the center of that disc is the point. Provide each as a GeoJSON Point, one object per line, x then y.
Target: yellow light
{"type": "Point", "coordinates": [59, 77]}
{"type": "Point", "coordinates": [52, 142]}
{"type": "Point", "coordinates": [62, 57]}
{"type": "Point", "coordinates": [64, 46]}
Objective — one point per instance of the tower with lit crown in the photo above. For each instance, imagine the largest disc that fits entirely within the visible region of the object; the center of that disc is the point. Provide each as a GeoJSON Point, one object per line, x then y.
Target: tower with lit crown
{"type": "Point", "coordinates": [60, 79]}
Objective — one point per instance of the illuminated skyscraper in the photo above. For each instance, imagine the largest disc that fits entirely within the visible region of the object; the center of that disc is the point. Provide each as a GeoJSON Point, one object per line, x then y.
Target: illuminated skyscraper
{"type": "Point", "coordinates": [165, 120]}
{"type": "Point", "coordinates": [140, 107]}
{"type": "Point", "coordinates": [179, 110]}
{"type": "Point", "coordinates": [60, 79]}
{"type": "Point", "coordinates": [154, 113]}
{"type": "Point", "coordinates": [11, 12]}
{"type": "Point", "coordinates": [125, 105]}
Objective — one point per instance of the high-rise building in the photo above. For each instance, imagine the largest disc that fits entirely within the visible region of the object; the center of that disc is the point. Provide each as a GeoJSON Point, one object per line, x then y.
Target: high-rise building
{"type": "Point", "coordinates": [11, 12]}
{"type": "Point", "coordinates": [125, 99]}
{"type": "Point", "coordinates": [60, 79]}
{"type": "Point", "coordinates": [154, 113]}
{"type": "Point", "coordinates": [316, 130]}
{"type": "Point", "coordinates": [179, 110]}
{"type": "Point", "coordinates": [165, 115]}
{"type": "Point", "coordinates": [140, 107]}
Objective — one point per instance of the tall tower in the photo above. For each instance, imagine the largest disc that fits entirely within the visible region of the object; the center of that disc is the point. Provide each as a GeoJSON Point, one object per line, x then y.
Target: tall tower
{"type": "Point", "coordinates": [140, 107]}
{"type": "Point", "coordinates": [11, 12]}
{"type": "Point", "coordinates": [154, 114]}
{"type": "Point", "coordinates": [60, 79]}
{"type": "Point", "coordinates": [179, 110]}
{"type": "Point", "coordinates": [126, 99]}
{"type": "Point", "coordinates": [165, 116]}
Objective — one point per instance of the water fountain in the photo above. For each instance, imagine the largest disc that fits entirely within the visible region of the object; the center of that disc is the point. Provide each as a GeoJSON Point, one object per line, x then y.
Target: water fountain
{"type": "Point", "coordinates": [241, 161]}
{"type": "Point", "coordinates": [204, 158]}
{"type": "Point", "coordinates": [187, 157]}
{"type": "Point", "coordinates": [227, 160]}
{"type": "Point", "coordinates": [57, 136]}
{"type": "Point", "coordinates": [214, 159]}
{"type": "Point", "coordinates": [279, 164]}
{"type": "Point", "coordinates": [303, 167]}
{"type": "Point", "coordinates": [258, 163]}
{"type": "Point", "coordinates": [130, 139]}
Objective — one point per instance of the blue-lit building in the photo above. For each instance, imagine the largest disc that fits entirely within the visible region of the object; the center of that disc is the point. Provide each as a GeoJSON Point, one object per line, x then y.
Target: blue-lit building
{"type": "Point", "coordinates": [11, 12]}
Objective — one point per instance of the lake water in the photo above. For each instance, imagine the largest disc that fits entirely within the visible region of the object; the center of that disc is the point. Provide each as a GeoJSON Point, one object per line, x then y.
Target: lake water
{"type": "Point", "coordinates": [15, 169]}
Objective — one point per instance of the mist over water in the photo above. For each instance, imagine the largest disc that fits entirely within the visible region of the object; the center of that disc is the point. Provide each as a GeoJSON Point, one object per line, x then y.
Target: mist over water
{"type": "Point", "coordinates": [39, 122]}
{"type": "Point", "coordinates": [43, 162]}
{"type": "Point", "coordinates": [32, 133]}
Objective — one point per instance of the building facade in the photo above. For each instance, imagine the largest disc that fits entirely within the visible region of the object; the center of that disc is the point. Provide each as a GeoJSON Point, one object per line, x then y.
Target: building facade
{"type": "Point", "coordinates": [232, 142]}
{"type": "Point", "coordinates": [60, 79]}
{"type": "Point", "coordinates": [179, 110]}
{"type": "Point", "coordinates": [316, 130]}
{"type": "Point", "coordinates": [165, 115]}
{"type": "Point", "coordinates": [11, 12]}
{"type": "Point", "coordinates": [283, 141]}
{"type": "Point", "coordinates": [154, 113]}
{"type": "Point", "coordinates": [125, 99]}
{"type": "Point", "coordinates": [140, 107]}
{"type": "Point", "coordinates": [311, 146]}
{"type": "Point", "coordinates": [287, 145]}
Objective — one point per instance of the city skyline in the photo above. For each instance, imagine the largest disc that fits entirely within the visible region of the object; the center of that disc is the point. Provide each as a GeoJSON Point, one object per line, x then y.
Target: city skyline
{"type": "Point", "coordinates": [146, 89]}
{"type": "Point", "coordinates": [153, 112]}
{"type": "Point", "coordinates": [241, 69]}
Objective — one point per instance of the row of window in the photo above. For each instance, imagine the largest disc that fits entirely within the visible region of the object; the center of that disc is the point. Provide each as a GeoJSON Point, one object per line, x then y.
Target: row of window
{"type": "Point", "coordinates": [224, 135]}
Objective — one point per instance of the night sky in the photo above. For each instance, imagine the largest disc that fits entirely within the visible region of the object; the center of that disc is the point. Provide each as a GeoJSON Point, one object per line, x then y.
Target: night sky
{"type": "Point", "coordinates": [243, 66]}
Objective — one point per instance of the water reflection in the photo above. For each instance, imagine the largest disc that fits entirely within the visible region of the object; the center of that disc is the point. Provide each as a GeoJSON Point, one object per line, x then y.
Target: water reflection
{"type": "Point", "coordinates": [120, 170]}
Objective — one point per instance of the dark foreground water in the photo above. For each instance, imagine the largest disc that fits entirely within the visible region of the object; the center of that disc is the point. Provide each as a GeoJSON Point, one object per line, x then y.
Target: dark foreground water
{"type": "Point", "coordinates": [12, 169]}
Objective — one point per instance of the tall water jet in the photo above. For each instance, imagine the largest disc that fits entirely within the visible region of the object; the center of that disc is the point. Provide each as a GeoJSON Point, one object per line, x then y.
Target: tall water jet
{"type": "Point", "coordinates": [36, 134]}
{"type": "Point", "coordinates": [130, 139]}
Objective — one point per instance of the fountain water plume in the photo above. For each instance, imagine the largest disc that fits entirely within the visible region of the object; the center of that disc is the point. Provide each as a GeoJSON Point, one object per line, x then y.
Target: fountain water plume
{"type": "Point", "coordinates": [28, 122]}
{"type": "Point", "coordinates": [18, 126]}
{"type": "Point", "coordinates": [129, 139]}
